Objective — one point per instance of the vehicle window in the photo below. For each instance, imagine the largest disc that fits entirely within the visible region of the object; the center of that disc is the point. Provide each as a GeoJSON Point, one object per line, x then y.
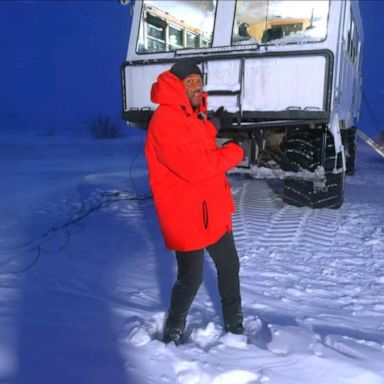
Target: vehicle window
{"type": "Point", "coordinates": [280, 21]}
{"type": "Point", "coordinates": [169, 25]}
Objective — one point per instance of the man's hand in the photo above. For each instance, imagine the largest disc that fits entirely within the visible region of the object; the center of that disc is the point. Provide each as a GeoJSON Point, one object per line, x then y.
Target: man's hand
{"type": "Point", "coordinates": [219, 112]}
{"type": "Point", "coordinates": [237, 141]}
{"type": "Point", "coordinates": [221, 120]}
{"type": "Point", "coordinates": [234, 140]}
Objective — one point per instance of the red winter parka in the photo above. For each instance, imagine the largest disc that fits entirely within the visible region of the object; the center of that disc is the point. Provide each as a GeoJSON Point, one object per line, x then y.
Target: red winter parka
{"type": "Point", "coordinates": [191, 193]}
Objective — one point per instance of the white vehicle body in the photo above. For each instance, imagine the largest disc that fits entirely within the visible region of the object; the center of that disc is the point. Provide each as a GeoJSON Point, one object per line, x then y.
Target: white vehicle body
{"type": "Point", "coordinates": [296, 68]}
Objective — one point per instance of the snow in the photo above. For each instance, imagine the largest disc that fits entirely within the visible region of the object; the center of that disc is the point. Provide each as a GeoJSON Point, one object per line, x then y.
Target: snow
{"type": "Point", "coordinates": [85, 279]}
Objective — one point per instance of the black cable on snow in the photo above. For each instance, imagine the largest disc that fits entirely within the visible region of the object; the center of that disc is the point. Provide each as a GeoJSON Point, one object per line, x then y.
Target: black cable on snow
{"type": "Point", "coordinates": [139, 149]}
{"type": "Point", "coordinates": [112, 197]}
{"type": "Point", "coordinates": [82, 213]}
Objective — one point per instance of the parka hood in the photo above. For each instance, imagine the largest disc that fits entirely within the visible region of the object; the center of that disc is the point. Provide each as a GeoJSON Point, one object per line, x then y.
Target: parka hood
{"type": "Point", "coordinates": [170, 90]}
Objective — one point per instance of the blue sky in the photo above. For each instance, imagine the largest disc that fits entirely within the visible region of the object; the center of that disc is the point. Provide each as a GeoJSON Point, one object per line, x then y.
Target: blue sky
{"type": "Point", "coordinates": [60, 60]}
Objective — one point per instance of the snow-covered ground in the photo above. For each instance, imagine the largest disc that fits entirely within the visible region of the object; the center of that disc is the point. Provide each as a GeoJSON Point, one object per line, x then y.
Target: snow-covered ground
{"type": "Point", "coordinates": [85, 279]}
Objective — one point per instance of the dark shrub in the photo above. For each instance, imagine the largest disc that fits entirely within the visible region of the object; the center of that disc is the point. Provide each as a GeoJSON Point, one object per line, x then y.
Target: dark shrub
{"type": "Point", "coordinates": [103, 127]}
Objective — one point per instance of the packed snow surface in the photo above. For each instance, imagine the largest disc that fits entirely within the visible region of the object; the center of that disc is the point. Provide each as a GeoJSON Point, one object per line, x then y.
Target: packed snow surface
{"type": "Point", "coordinates": [85, 278]}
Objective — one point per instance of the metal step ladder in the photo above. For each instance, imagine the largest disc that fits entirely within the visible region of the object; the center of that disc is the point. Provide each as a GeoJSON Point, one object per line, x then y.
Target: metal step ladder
{"type": "Point", "coordinates": [375, 146]}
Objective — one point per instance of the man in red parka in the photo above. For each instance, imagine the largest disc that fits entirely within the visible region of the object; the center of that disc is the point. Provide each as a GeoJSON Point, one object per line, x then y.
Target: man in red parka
{"type": "Point", "coordinates": [192, 195]}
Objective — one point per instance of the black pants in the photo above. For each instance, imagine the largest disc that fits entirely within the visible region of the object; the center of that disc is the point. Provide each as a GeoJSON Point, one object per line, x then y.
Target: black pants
{"type": "Point", "coordinates": [190, 275]}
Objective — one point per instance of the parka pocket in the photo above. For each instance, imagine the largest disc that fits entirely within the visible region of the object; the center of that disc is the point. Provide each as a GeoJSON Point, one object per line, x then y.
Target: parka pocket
{"type": "Point", "coordinates": [205, 215]}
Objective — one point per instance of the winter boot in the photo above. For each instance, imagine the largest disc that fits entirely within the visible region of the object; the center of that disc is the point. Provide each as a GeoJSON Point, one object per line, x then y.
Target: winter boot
{"type": "Point", "coordinates": [173, 330]}
{"type": "Point", "coordinates": [236, 328]}
{"type": "Point", "coordinates": [233, 319]}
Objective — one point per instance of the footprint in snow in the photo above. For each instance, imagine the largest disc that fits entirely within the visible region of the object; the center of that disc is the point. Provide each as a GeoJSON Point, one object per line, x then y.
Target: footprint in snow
{"type": "Point", "coordinates": [240, 377]}
{"type": "Point", "coordinates": [140, 332]}
{"type": "Point", "coordinates": [189, 372]}
{"type": "Point", "coordinates": [135, 333]}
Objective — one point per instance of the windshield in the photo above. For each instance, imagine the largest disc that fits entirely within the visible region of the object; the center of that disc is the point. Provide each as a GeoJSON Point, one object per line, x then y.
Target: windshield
{"type": "Point", "coordinates": [169, 25]}
{"type": "Point", "coordinates": [280, 21]}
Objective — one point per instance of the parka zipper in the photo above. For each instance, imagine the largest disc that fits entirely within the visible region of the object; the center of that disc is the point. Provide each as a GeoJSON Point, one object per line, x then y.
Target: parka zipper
{"type": "Point", "coordinates": [205, 214]}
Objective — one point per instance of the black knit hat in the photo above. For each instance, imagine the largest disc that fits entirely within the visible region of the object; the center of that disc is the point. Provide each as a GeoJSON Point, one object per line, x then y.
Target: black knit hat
{"type": "Point", "coordinates": [184, 68]}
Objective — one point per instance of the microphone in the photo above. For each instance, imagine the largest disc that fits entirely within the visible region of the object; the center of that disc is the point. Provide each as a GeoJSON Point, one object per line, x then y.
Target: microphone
{"type": "Point", "coordinates": [201, 116]}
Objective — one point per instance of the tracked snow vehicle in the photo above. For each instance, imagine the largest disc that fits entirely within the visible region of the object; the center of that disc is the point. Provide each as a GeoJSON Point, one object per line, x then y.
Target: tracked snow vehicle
{"type": "Point", "coordinates": [288, 74]}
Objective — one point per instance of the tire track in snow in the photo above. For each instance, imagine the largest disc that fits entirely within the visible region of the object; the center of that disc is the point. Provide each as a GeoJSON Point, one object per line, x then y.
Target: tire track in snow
{"type": "Point", "coordinates": [321, 228]}
{"type": "Point", "coordinates": [255, 203]}
{"type": "Point", "coordinates": [262, 219]}
{"type": "Point", "coordinates": [285, 227]}
{"type": "Point", "coordinates": [302, 226]}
